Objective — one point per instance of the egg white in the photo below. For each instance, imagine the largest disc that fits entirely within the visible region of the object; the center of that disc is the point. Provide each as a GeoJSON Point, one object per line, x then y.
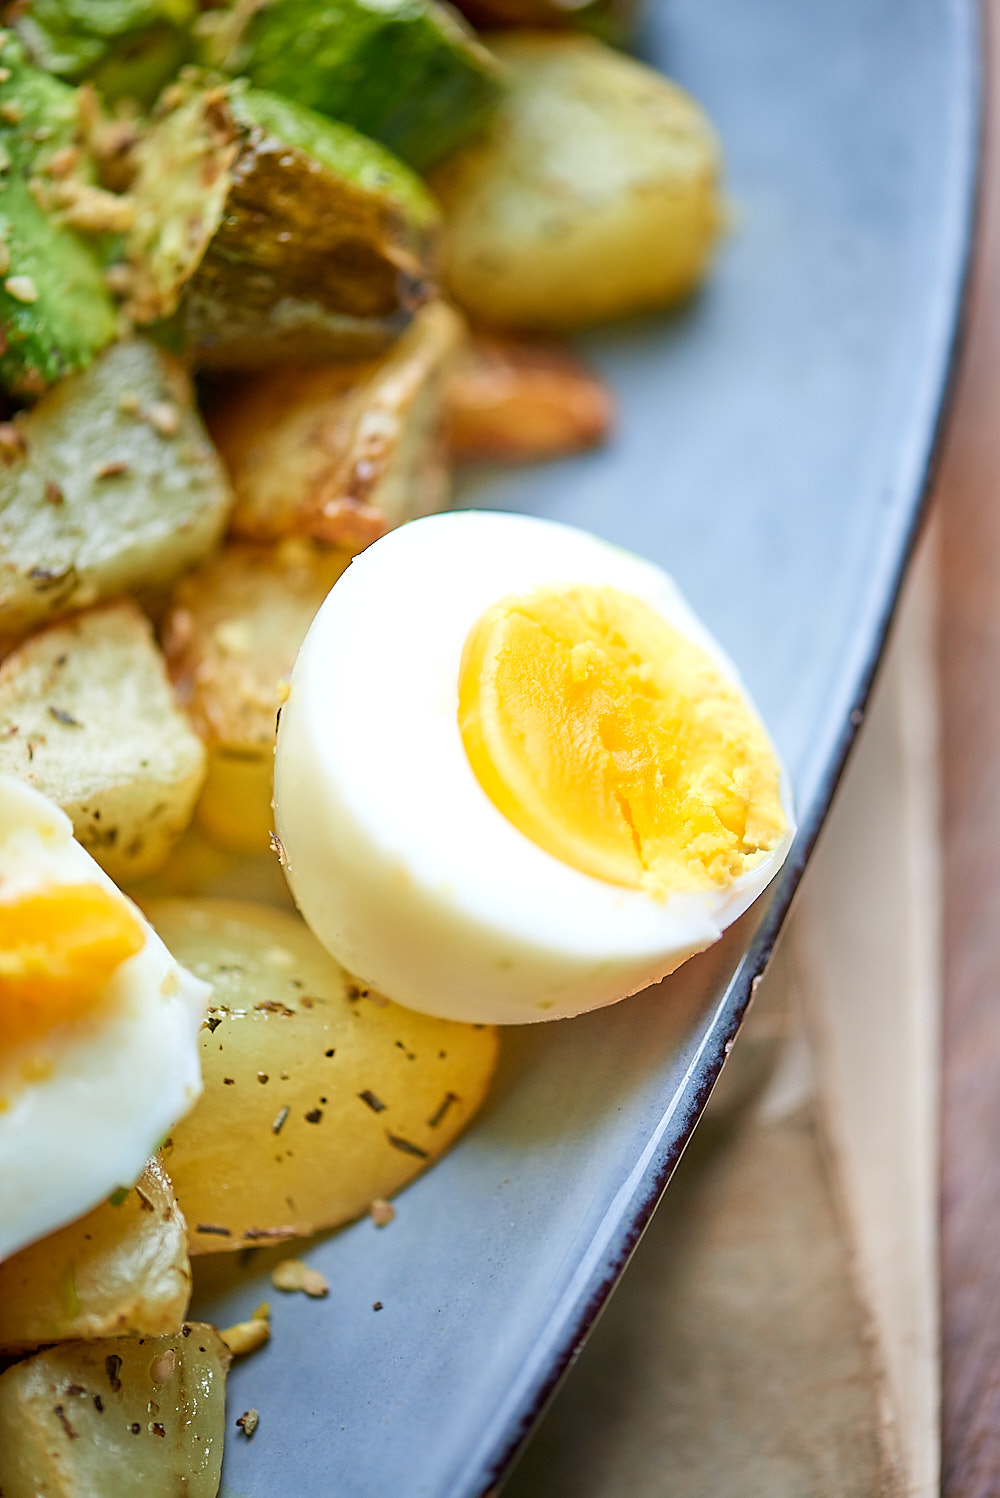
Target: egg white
{"type": "Point", "coordinates": [113, 1083]}
{"type": "Point", "coordinates": [396, 856]}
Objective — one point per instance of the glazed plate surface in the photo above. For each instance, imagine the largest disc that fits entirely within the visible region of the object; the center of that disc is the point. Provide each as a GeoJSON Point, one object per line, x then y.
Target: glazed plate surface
{"type": "Point", "coordinates": [773, 453]}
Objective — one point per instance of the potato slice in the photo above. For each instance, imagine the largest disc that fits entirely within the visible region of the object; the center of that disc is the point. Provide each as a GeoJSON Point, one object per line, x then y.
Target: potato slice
{"type": "Point", "coordinates": [341, 452]}
{"type": "Point", "coordinates": [109, 485]}
{"type": "Point", "coordinates": [88, 717]}
{"type": "Point", "coordinates": [592, 193]}
{"type": "Point", "coordinates": [132, 1417]}
{"type": "Point", "coordinates": [121, 1269]}
{"type": "Point", "coordinates": [319, 1096]}
{"type": "Point", "coordinates": [231, 636]}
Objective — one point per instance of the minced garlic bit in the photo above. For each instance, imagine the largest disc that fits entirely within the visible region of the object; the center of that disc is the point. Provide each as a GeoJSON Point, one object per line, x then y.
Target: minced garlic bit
{"type": "Point", "coordinates": [163, 417]}
{"type": "Point", "coordinates": [247, 1336]}
{"type": "Point", "coordinates": [293, 1274]}
{"type": "Point", "coordinates": [92, 209]}
{"type": "Point", "coordinates": [161, 1369]}
{"type": "Point", "coordinates": [21, 288]}
{"type": "Point", "coordinates": [233, 637]}
{"type": "Point", "coordinates": [12, 443]}
{"type": "Point", "coordinates": [382, 1212]}
{"type": "Point", "coordinates": [248, 1422]}
{"type": "Point", "coordinates": [119, 279]}
{"type": "Point", "coordinates": [63, 161]}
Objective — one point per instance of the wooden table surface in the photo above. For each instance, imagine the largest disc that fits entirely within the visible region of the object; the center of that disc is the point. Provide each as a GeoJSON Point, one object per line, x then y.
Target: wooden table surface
{"type": "Point", "coordinates": [968, 506]}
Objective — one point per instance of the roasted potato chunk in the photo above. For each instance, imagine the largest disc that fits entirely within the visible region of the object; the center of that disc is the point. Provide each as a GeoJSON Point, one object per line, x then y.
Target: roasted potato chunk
{"type": "Point", "coordinates": [88, 717]}
{"type": "Point", "coordinates": [519, 402]}
{"type": "Point", "coordinates": [341, 452]}
{"type": "Point", "coordinates": [126, 1417]}
{"type": "Point", "coordinates": [231, 636]}
{"type": "Point", "coordinates": [121, 1269]}
{"type": "Point", "coordinates": [319, 1096]}
{"type": "Point", "coordinates": [108, 486]}
{"type": "Point", "coordinates": [592, 193]}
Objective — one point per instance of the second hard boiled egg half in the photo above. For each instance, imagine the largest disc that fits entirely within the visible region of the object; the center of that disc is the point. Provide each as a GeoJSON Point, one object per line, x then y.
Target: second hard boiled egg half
{"type": "Point", "coordinates": [515, 778]}
{"type": "Point", "coordinates": [98, 1026]}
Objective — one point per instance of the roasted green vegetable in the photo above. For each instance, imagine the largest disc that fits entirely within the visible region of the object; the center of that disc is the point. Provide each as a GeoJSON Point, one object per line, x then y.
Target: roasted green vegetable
{"type": "Point", "coordinates": [263, 231]}
{"type": "Point", "coordinates": [129, 48]}
{"type": "Point", "coordinates": [409, 73]}
{"type": "Point", "coordinates": [55, 310]}
{"type": "Point", "coordinates": [108, 485]}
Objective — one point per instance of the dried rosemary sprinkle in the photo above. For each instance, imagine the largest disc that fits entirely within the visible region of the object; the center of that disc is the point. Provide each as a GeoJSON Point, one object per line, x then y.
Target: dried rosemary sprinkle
{"type": "Point", "coordinates": [406, 1146]}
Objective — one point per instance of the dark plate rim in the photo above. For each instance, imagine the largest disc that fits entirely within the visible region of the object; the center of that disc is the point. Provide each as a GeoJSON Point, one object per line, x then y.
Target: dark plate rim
{"type": "Point", "coordinates": [735, 1002]}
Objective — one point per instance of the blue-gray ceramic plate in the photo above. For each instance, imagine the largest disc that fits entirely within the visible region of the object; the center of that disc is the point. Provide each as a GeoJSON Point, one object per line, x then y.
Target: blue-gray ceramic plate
{"type": "Point", "coordinates": [773, 452]}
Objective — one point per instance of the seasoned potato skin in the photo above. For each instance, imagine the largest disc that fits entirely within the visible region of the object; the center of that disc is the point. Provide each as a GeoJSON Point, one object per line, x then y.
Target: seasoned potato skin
{"type": "Point", "coordinates": [231, 635]}
{"type": "Point", "coordinates": [122, 1269]}
{"type": "Point", "coordinates": [592, 194]}
{"type": "Point", "coordinates": [319, 1096]}
{"type": "Point", "coordinates": [115, 489]}
{"type": "Point", "coordinates": [121, 1417]}
{"type": "Point", "coordinates": [341, 452]}
{"type": "Point", "coordinates": [88, 717]}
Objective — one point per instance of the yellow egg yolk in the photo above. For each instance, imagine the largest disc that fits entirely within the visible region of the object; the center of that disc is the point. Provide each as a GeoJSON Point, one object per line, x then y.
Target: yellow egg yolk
{"type": "Point", "coordinates": [59, 946]}
{"type": "Point", "coordinates": [616, 744]}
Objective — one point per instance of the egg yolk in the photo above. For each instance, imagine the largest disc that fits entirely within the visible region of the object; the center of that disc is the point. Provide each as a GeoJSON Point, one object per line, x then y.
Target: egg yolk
{"type": "Point", "coordinates": [58, 948]}
{"type": "Point", "coordinates": [616, 744]}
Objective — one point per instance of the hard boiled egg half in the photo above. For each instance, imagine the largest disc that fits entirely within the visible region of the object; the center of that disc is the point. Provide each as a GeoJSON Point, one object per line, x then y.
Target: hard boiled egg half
{"type": "Point", "coordinates": [515, 778]}
{"type": "Point", "coordinates": [98, 1026]}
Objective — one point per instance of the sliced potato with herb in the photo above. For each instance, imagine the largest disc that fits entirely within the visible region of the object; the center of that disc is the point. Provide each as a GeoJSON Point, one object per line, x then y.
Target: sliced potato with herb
{"type": "Point", "coordinates": [88, 717]}
{"type": "Point", "coordinates": [108, 485]}
{"type": "Point", "coordinates": [594, 192]}
{"type": "Point", "coordinates": [266, 231]}
{"type": "Point", "coordinates": [122, 1269]}
{"type": "Point", "coordinates": [341, 452]}
{"type": "Point", "coordinates": [231, 635]}
{"type": "Point", "coordinates": [319, 1096]}
{"type": "Point", "coordinates": [132, 1417]}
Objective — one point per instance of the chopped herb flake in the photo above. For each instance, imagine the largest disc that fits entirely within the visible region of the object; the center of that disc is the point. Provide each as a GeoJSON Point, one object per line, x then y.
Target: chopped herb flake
{"type": "Point", "coordinates": [406, 1146]}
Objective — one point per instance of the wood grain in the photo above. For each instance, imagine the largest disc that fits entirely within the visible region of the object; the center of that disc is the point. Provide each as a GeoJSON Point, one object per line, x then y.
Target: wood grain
{"type": "Point", "coordinates": [968, 503]}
